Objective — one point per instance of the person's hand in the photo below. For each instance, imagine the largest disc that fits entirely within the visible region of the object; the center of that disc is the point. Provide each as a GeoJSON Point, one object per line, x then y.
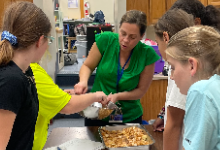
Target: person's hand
{"type": "Point", "coordinates": [158, 125]}
{"type": "Point", "coordinates": [81, 88]}
{"type": "Point", "coordinates": [101, 98]}
{"type": "Point", "coordinates": [112, 97]}
{"type": "Point", "coordinates": [70, 91]}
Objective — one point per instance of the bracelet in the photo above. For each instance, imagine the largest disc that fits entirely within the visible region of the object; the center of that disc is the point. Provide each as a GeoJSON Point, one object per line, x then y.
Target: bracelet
{"type": "Point", "coordinates": [161, 117]}
{"type": "Point", "coordinates": [162, 113]}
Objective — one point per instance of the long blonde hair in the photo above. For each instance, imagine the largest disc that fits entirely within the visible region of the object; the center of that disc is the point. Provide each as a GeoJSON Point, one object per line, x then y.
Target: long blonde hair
{"type": "Point", "coordinates": [200, 42]}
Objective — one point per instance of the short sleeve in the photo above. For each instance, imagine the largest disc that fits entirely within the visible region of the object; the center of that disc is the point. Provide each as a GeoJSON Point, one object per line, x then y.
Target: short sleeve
{"type": "Point", "coordinates": [199, 122]}
{"type": "Point", "coordinates": [103, 41]}
{"type": "Point", "coordinates": [174, 97]}
{"type": "Point", "coordinates": [152, 56]}
{"type": "Point", "coordinates": [12, 91]}
{"type": "Point", "coordinates": [51, 98]}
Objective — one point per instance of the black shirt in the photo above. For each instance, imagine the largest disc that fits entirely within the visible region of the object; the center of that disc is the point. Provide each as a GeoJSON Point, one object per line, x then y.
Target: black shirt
{"type": "Point", "coordinates": [18, 94]}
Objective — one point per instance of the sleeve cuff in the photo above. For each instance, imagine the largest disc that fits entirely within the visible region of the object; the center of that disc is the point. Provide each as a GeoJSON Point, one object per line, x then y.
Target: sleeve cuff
{"type": "Point", "coordinates": [169, 103]}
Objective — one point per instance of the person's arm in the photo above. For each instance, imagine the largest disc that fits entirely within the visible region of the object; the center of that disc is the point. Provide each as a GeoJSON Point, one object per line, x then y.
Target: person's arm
{"type": "Point", "coordinates": [69, 91]}
{"type": "Point", "coordinates": [7, 119]}
{"type": "Point", "coordinates": [144, 83]}
{"type": "Point", "coordinates": [200, 122]}
{"type": "Point", "coordinates": [53, 100]}
{"type": "Point", "coordinates": [79, 102]}
{"type": "Point", "coordinates": [87, 68]}
{"type": "Point", "coordinates": [158, 125]}
{"type": "Point", "coordinates": [173, 128]}
{"type": "Point", "coordinates": [90, 63]}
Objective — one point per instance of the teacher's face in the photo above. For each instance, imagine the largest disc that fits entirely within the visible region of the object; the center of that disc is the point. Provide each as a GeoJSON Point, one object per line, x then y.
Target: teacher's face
{"type": "Point", "coordinates": [129, 36]}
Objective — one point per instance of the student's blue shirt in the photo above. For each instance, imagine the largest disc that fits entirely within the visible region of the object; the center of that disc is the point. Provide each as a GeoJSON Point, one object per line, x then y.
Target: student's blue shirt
{"type": "Point", "coordinates": [202, 116]}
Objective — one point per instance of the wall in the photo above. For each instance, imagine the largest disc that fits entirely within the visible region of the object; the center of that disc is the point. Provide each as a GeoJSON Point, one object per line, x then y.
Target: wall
{"type": "Point", "coordinates": [72, 13]}
{"type": "Point", "coordinates": [49, 59]}
{"type": "Point", "coordinates": [120, 10]}
{"type": "Point", "coordinates": [107, 6]}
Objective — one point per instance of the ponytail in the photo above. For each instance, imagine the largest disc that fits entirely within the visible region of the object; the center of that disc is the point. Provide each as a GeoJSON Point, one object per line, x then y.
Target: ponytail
{"type": "Point", "coordinates": [6, 52]}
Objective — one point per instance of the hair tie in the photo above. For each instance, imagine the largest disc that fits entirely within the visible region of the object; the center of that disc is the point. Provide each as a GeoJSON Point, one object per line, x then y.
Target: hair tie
{"type": "Point", "coordinates": [10, 37]}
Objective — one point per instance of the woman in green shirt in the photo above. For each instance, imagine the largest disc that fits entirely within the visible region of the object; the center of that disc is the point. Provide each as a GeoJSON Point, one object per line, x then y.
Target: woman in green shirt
{"type": "Point", "coordinates": [125, 67]}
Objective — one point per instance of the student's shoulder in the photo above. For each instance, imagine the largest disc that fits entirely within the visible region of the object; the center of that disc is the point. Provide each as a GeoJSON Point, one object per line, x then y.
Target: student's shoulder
{"type": "Point", "coordinates": [35, 66]}
{"type": "Point", "coordinates": [37, 69]}
{"type": "Point", "coordinates": [206, 85]}
{"type": "Point", "coordinates": [10, 72]}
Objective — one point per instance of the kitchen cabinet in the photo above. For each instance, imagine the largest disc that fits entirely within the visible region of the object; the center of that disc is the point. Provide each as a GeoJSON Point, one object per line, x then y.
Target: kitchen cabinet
{"type": "Point", "coordinates": [154, 99]}
{"type": "Point", "coordinates": [3, 6]}
{"type": "Point", "coordinates": [169, 4]}
{"type": "Point", "coordinates": [142, 5]}
{"type": "Point", "coordinates": [215, 3]}
{"type": "Point", "coordinates": [156, 10]}
{"type": "Point", "coordinates": [204, 2]}
{"type": "Point", "coordinates": [22, 0]}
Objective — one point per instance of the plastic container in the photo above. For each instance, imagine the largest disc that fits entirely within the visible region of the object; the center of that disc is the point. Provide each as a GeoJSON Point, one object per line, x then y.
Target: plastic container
{"type": "Point", "coordinates": [81, 37]}
{"type": "Point", "coordinates": [160, 63]}
{"type": "Point", "coordinates": [81, 48]}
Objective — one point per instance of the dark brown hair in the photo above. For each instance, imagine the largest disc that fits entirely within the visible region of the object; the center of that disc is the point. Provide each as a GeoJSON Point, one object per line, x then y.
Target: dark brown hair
{"type": "Point", "coordinates": [135, 17]}
{"type": "Point", "coordinates": [172, 22]}
{"type": "Point", "coordinates": [25, 21]}
{"type": "Point", "coordinates": [209, 15]}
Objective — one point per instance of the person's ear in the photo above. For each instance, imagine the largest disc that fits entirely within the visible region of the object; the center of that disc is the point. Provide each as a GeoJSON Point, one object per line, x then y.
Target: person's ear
{"type": "Point", "coordinates": [197, 21]}
{"type": "Point", "coordinates": [40, 41]}
{"type": "Point", "coordinates": [193, 64]}
{"type": "Point", "coordinates": [166, 37]}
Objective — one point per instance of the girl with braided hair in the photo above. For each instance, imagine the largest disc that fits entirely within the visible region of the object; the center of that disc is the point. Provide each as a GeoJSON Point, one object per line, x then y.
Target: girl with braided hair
{"type": "Point", "coordinates": [194, 56]}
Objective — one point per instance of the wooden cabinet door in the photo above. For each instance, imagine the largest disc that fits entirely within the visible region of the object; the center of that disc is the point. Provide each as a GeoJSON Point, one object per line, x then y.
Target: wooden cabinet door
{"type": "Point", "coordinates": [215, 3]}
{"type": "Point", "coordinates": [23, 0]}
{"type": "Point", "coordinates": [3, 6]}
{"type": "Point", "coordinates": [204, 2]}
{"type": "Point", "coordinates": [170, 3]}
{"type": "Point", "coordinates": [157, 9]}
{"type": "Point", "coordinates": [142, 5]}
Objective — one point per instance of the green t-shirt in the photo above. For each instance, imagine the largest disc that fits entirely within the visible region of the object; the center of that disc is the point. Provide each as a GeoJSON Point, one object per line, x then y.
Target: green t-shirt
{"type": "Point", "coordinates": [106, 73]}
{"type": "Point", "coordinates": [51, 100]}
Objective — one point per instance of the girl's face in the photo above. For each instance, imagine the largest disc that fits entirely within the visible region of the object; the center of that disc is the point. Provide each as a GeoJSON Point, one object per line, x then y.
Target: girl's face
{"type": "Point", "coordinates": [129, 36]}
{"type": "Point", "coordinates": [42, 46]}
{"type": "Point", "coordinates": [181, 74]}
{"type": "Point", "coordinates": [162, 45]}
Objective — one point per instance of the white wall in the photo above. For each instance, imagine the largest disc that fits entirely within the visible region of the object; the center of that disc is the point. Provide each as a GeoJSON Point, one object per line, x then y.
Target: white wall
{"type": "Point", "coordinates": [72, 13]}
{"type": "Point", "coordinates": [120, 10]}
{"type": "Point", "coordinates": [107, 6]}
{"type": "Point", "coordinates": [49, 59]}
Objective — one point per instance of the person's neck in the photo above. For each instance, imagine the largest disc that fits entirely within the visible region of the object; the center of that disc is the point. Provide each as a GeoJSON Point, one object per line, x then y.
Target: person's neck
{"type": "Point", "coordinates": [125, 53]}
{"type": "Point", "coordinates": [22, 58]}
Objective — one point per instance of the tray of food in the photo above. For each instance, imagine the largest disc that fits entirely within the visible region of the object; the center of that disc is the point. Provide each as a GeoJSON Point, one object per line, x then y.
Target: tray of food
{"type": "Point", "coordinates": [133, 136]}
